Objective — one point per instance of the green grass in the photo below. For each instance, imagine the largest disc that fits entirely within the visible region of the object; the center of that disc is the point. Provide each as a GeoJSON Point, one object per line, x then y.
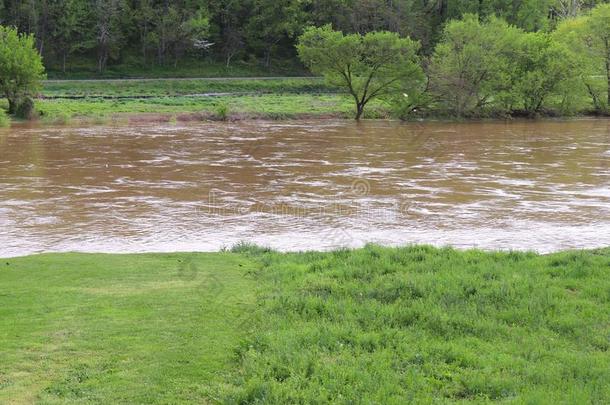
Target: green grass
{"type": "Point", "coordinates": [5, 120]}
{"type": "Point", "coordinates": [269, 98]}
{"type": "Point", "coordinates": [272, 106]}
{"type": "Point", "coordinates": [177, 87]}
{"type": "Point", "coordinates": [425, 325]}
{"type": "Point", "coordinates": [159, 328]}
{"type": "Point", "coordinates": [373, 325]}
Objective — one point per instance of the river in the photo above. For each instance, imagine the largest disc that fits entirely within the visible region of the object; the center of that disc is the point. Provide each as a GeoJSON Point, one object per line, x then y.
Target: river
{"type": "Point", "coordinates": [303, 185]}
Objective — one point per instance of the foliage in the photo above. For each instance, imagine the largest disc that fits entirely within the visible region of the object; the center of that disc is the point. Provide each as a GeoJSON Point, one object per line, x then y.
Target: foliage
{"type": "Point", "coordinates": [25, 109]}
{"type": "Point", "coordinates": [21, 69]}
{"type": "Point", "coordinates": [5, 121]}
{"type": "Point", "coordinates": [588, 38]}
{"type": "Point", "coordinates": [473, 65]}
{"type": "Point", "coordinates": [490, 67]}
{"type": "Point", "coordinates": [166, 33]}
{"type": "Point", "coordinates": [543, 67]}
{"type": "Point", "coordinates": [222, 111]}
{"type": "Point", "coordinates": [375, 65]}
{"type": "Point", "coordinates": [426, 325]}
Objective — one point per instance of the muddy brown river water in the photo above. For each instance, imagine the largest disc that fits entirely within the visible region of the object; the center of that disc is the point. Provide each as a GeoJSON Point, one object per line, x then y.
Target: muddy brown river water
{"type": "Point", "coordinates": [540, 185]}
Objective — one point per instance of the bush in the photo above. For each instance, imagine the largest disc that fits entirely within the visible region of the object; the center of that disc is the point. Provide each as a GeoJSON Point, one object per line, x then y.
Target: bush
{"type": "Point", "coordinates": [25, 109]}
{"type": "Point", "coordinates": [21, 68]}
{"type": "Point", "coordinates": [222, 111]}
{"type": "Point", "coordinates": [5, 121]}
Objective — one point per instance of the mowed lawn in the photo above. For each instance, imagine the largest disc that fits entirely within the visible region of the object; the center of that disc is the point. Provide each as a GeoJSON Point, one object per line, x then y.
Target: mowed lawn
{"type": "Point", "coordinates": [252, 326]}
{"type": "Point", "coordinates": [158, 328]}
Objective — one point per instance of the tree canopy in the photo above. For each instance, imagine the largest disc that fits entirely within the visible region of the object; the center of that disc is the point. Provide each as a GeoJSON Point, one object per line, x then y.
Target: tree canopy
{"type": "Point", "coordinates": [21, 68]}
{"type": "Point", "coordinates": [588, 39]}
{"type": "Point", "coordinates": [100, 33]}
{"type": "Point", "coordinates": [490, 65]}
{"type": "Point", "coordinates": [368, 66]}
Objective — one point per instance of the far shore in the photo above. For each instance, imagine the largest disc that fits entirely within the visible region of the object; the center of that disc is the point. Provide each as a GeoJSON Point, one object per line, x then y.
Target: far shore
{"type": "Point", "coordinates": [136, 118]}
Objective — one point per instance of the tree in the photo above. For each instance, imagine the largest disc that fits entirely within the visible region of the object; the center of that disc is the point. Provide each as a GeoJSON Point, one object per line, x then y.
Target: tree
{"type": "Point", "coordinates": [111, 18]}
{"type": "Point", "coordinates": [588, 38]}
{"type": "Point", "coordinates": [599, 39]}
{"type": "Point", "coordinates": [272, 22]}
{"type": "Point", "coordinates": [226, 26]}
{"type": "Point", "coordinates": [180, 27]}
{"type": "Point", "coordinates": [473, 65]}
{"type": "Point", "coordinates": [543, 65]}
{"type": "Point", "coordinates": [378, 64]}
{"type": "Point", "coordinates": [21, 69]}
{"type": "Point", "coordinates": [67, 33]}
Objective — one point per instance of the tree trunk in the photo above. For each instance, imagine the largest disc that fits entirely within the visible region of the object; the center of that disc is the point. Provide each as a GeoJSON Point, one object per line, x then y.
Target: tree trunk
{"type": "Point", "coordinates": [268, 57]}
{"type": "Point", "coordinates": [103, 58]}
{"type": "Point", "coordinates": [359, 111]}
{"type": "Point", "coordinates": [608, 77]}
{"type": "Point", "coordinates": [12, 105]}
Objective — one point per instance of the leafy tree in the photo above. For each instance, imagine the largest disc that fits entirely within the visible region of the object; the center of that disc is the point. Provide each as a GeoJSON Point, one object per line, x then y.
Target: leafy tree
{"type": "Point", "coordinates": [378, 64]}
{"type": "Point", "coordinates": [543, 65]}
{"type": "Point", "coordinates": [145, 17]}
{"type": "Point", "coordinates": [69, 18]}
{"type": "Point", "coordinates": [227, 28]}
{"type": "Point", "coordinates": [588, 38]}
{"type": "Point", "coordinates": [599, 40]}
{"type": "Point", "coordinates": [110, 20]}
{"type": "Point", "coordinates": [473, 66]}
{"type": "Point", "coordinates": [179, 28]}
{"type": "Point", "coordinates": [272, 22]}
{"type": "Point", "coordinates": [21, 69]}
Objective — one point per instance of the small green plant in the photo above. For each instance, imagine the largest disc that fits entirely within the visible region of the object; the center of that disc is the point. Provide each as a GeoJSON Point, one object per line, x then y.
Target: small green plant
{"type": "Point", "coordinates": [5, 120]}
{"type": "Point", "coordinates": [249, 248]}
{"type": "Point", "coordinates": [222, 111]}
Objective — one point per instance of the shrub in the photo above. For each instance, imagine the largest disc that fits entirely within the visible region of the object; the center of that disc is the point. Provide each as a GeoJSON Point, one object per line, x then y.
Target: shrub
{"type": "Point", "coordinates": [5, 121]}
{"type": "Point", "coordinates": [222, 111]}
{"type": "Point", "coordinates": [25, 108]}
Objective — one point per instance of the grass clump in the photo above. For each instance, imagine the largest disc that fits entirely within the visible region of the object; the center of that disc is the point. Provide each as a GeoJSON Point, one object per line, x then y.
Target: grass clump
{"type": "Point", "coordinates": [423, 325]}
{"type": "Point", "coordinates": [249, 248]}
{"type": "Point", "coordinates": [222, 111]}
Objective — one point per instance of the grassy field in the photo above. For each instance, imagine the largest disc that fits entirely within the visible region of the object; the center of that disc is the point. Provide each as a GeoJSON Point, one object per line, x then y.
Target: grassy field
{"type": "Point", "coordinates": [373, 325]}
{"type": "Point", "coordinates": [266, 106]}
{"type": "Point", "coordinates": [188, 99]}
{"type": "Point", "coordinates": [179, 87]}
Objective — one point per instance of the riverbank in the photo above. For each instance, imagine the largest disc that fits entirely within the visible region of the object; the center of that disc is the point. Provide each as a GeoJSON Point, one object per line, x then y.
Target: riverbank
{"type": "Point", "coordinates": [188, 99]}
{"type": "Point", "coordinates": [368, 325]}
{"type": "Point", "coordinates": [163, 100]}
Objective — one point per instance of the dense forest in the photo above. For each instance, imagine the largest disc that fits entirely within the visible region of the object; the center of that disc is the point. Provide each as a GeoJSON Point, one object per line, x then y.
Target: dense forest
{"type": "Point", "coordinates": [144, 33]}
